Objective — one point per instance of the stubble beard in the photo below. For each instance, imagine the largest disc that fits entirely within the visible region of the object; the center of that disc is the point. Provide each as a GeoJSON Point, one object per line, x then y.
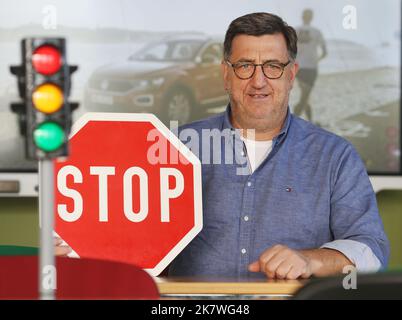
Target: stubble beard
{"type": "Point", "coordinates": [271, 122]}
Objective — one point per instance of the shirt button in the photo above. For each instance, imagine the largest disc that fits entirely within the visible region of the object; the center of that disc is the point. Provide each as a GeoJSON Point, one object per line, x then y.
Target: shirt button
{"type": "Point", "coordinates": [245, 218]}
{"type": "Point", "coordinates": [243, 251]}
{"type": "Point", "coordinates": [249, 184]}
{"type": "Point", "coordinates": [242, 153]}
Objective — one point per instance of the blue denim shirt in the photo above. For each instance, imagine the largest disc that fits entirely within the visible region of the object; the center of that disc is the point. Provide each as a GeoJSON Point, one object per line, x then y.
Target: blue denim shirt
{"type": "Point", "coordinates": [312, 189]}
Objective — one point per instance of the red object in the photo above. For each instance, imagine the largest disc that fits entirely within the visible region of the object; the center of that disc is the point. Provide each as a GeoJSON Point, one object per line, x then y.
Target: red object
{"type": "Point", "coordinates": [102, 220]}
{"type": "Point", "coordinates": [76, 279]}
{"type": "Point", "coordinates": [46, 60]}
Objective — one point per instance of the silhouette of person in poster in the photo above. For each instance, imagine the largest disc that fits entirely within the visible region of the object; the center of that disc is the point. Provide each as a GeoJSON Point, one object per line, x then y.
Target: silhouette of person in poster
{"type": "Point", "coordinates": [312, 49]}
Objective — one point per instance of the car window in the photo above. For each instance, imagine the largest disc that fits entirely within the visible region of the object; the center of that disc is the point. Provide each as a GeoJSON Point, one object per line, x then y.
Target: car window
{"type": "Point", "coordinates": [182, 51]}
{"type": "Point", "coordinates": [157, 52]}
{"type": "Point", "coordinates": [169, 51]}
{"type": "Point", "coordinates": [212, 53]}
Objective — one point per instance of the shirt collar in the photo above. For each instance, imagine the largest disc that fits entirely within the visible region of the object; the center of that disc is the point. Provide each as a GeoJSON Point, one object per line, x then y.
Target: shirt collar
{"type": "Point", "coordinates": [226, 124]}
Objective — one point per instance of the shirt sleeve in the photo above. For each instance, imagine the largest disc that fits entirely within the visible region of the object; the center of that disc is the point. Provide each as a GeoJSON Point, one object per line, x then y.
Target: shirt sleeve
{"type": "Point", "coordinates": [354, 213]}
{"type": "Point", "coordinates": [359, 253]}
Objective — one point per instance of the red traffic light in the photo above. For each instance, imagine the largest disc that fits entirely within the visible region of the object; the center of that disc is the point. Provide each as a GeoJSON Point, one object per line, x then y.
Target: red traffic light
{"type": "Point", "coordinates": [46, 60]}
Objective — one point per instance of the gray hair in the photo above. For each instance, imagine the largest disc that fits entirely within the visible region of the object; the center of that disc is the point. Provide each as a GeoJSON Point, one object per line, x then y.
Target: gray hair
{"type": "Point", "coordinates": [258, 24]}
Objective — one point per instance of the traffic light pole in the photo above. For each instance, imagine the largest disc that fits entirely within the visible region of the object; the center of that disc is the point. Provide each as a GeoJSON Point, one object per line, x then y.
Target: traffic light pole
{"type": "Point", "coordinates": [47, 269]}
{"type": "Point", "coordinates": [45, 117]}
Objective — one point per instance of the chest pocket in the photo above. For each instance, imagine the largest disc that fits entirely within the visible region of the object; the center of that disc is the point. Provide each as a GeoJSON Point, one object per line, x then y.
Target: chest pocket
{"type": "Point", "coordinates": [287, 215]}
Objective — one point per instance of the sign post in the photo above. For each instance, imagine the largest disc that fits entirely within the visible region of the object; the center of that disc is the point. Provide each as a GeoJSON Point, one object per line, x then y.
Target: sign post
{"type": "Point", "coordinates": [47, 274]}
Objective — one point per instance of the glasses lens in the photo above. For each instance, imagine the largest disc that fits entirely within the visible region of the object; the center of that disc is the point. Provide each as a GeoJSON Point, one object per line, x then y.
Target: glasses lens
{"type": "Point", "coordinates": [272, 70]}
{"type": "Point", "coordinates": [244, 70]}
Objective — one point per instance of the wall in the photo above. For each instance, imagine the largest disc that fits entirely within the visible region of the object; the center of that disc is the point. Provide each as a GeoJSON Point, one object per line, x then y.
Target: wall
{"type": "Point", "coordinates": [390, 206]}
{"type": "Point", "coordinates": [19, 222]}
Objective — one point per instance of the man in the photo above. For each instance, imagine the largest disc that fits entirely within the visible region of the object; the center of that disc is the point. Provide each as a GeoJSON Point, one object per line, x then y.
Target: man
{"type": "Point", "coordinates": [311, 49]}
{"type": "Point", "coordinates": [307, 206]}
{"type": "Point", "coordinates": [303, 205]}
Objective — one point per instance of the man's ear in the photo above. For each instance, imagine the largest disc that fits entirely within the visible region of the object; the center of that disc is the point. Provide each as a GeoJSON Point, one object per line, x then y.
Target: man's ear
{"type": "Point", "coordinates": [225, 74]}
{"type": "Point", "coordinates": [294, 68]}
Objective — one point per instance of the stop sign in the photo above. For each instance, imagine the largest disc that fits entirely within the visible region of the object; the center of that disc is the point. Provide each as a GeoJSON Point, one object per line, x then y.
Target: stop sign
{"type": "Point", "coordinates": [129, 191]}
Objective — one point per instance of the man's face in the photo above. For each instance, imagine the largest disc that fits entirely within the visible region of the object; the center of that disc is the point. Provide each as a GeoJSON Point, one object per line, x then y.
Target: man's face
{"type": "Point", "coordinates": [259, 103]}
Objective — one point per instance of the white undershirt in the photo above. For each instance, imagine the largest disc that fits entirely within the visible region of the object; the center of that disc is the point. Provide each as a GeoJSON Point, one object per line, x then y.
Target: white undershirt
{"type": "Point", "coordinates": [257, 151]}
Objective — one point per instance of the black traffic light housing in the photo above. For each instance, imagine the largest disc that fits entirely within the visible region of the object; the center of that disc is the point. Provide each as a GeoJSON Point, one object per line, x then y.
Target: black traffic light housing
{"type": "Point", "coordinates": [44, 63]}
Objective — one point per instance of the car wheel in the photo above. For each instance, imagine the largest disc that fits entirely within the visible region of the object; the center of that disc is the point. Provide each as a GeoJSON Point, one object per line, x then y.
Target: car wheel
{"type": "Point", "coordinates": [178, 107]}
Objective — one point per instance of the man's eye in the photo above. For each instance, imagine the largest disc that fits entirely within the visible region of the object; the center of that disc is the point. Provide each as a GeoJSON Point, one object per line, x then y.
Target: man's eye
{"type": "Point", "coordinates": [245, 66]}
{"type": "Point", "coordinates": [272, 66]}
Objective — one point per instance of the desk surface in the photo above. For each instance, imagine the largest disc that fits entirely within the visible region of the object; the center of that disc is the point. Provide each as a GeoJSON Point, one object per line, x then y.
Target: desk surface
{"type": "Point", "coordinates": [191, 286]}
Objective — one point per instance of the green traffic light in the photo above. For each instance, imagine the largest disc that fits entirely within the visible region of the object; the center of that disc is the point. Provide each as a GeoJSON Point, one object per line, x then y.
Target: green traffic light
{"type": "Point", "coordinates": [49, 136]}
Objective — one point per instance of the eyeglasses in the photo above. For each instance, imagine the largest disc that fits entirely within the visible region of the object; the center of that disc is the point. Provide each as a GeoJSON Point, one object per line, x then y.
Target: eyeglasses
{"type": "Point", "coordinates": [246, 70]}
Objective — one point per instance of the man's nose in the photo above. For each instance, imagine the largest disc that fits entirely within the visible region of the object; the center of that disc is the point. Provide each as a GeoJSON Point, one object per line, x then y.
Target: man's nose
{"type": "Point", "coordinates": [258, 79]}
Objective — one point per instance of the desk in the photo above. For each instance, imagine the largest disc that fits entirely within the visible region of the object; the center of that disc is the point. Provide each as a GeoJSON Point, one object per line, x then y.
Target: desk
{"type": "Point", "coordinates": [209, 287]}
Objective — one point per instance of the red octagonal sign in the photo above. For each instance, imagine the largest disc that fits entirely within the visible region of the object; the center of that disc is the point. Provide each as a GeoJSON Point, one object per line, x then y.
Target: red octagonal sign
{"type": "Point", "coordinates": [130, 191]}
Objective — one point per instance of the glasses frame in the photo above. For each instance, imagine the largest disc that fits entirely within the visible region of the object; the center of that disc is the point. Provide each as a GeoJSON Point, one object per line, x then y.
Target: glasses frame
{"type": "Point", "coordinates": [255, 65]}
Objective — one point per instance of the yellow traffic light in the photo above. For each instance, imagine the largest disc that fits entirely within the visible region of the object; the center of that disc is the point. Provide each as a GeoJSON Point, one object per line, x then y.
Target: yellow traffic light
{"type": "Point", "coordinates": [47, 98]}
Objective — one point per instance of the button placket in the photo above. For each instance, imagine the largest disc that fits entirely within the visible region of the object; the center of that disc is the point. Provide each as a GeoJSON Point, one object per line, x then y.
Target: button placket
{"type": "Point", "coordinates": [246, 226]}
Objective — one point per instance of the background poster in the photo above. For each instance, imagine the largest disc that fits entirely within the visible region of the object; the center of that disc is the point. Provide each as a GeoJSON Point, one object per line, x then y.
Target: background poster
{"type": "Point", "coordinates": [164, 57]}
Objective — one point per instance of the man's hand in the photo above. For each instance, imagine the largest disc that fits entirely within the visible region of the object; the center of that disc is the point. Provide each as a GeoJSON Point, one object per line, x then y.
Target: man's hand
{"type": "Point", "coordinates": [59, 249]}
{"type": "Point", "coordinates": [282, 262]}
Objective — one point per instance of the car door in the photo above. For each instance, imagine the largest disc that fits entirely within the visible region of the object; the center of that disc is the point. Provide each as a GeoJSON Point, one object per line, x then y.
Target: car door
{"type": "Point", "coordinates": [208, 75]}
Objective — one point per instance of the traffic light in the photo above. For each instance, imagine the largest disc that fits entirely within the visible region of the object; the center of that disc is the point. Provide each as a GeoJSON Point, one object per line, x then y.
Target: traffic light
{"type": "Point", "coordinates": [44, 84]}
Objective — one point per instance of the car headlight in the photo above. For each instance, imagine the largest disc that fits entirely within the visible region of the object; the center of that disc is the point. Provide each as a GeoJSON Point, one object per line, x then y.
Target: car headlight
{"type": "Point", "coordinates": [145, 84]}
{"type": "Point", "coordinates": [139, 84]}
{"type": "Point", "coordinates": [157, 82]}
